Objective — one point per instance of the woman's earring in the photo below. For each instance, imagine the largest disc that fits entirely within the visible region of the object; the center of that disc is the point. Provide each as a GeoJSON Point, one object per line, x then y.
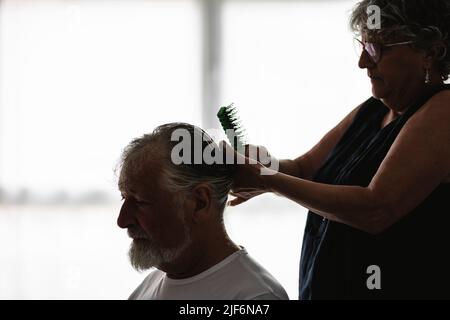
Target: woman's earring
{"type": "Point", "coordinates": [427, 76]}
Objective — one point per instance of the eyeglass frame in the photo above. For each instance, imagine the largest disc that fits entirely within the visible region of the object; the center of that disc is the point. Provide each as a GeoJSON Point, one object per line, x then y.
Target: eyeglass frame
{"type": "Point", "coordinates": [381, 46]}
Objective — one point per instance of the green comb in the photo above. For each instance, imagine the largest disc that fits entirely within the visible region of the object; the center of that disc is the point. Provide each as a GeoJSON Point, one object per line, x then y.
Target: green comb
{"type": "Point", "coordinates": [232, 126]}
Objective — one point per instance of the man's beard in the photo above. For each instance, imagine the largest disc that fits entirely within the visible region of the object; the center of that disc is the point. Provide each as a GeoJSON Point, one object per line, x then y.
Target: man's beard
{"type": "Point", "coordinates": [145, 254]}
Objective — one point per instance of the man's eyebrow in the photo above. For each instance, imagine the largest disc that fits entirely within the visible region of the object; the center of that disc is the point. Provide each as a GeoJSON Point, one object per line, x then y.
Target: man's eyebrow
{"type": "Point", "coordinates": [123, 187]}
{"type": "Point", "coordinates": [128, 192]}
{"type": "Point", "coordinates": [120, 185]}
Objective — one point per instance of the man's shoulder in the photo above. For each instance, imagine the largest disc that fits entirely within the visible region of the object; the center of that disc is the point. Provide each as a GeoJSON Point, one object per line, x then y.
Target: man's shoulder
{"type": "Point", "coordinates": [154, 275]}
{"type": "Point", "coordinates": [152, 280]}
{"type": "Point", "coordinates": [252, 276]}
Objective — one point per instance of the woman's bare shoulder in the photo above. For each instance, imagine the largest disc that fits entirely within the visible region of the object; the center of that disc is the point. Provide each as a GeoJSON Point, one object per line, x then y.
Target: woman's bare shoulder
{"type": "Point", "coordinates": [440, 102]}
{"type": "Point", "coordinates": [435, 111]}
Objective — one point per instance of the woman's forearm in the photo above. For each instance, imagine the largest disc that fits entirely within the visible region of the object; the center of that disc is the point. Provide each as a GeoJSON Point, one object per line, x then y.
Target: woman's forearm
{"type": "Point", "coordinates": [353, 205]}
{"type": "Point", "coordinates": [291, 168]}
{"type": "Point", "coordinates": [299, 167]}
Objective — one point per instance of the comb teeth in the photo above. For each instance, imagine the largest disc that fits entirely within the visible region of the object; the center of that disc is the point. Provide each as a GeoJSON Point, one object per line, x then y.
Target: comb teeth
{"type": "Point", "coordinates": [232, 125]}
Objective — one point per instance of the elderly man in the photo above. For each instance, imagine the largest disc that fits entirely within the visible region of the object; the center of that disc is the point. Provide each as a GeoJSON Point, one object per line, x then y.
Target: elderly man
{"type": "Point", "coordinates": [174, 213]}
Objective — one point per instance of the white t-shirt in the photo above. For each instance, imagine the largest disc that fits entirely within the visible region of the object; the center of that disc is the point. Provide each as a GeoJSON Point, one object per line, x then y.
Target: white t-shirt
{"type": "Point", "coordinates": [237, 277]}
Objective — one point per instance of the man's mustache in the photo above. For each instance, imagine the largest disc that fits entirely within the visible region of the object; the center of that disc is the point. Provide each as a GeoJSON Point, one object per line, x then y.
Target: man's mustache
{"type": "Point", "coordinates": [137, 233]}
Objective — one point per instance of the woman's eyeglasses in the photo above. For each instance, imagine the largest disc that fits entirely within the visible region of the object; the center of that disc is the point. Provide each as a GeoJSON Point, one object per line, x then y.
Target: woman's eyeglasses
{"type": "Point", "coordinates": [375, 50]}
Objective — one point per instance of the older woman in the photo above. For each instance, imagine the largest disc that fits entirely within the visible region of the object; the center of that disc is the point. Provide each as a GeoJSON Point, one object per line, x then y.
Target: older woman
{"type": "Point", "coordinates": [377, 186]}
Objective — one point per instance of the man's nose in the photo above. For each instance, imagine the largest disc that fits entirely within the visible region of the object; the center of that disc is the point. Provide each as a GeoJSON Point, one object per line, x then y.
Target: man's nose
{"type": "Point", "coordinates": [365, 61]}
{"type": "Point", "coordinates": [125, 218]}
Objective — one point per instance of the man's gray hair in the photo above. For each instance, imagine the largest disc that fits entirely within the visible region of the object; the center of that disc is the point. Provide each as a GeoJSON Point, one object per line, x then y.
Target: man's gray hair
{"type": "Point", "coordinates": [425, 22]}
{"type": "Point", "coordinates": [179, 178]}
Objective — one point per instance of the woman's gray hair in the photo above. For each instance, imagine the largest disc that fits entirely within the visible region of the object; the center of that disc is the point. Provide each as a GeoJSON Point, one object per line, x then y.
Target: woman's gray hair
{"type": "Point", "coordinates": [180, 178]}
{"type": "Point", "coordinates": [426, 22]}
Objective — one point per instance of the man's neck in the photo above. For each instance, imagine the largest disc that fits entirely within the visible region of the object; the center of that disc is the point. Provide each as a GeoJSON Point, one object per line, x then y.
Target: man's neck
{"type": "Point", "coordinates": [203, 254]}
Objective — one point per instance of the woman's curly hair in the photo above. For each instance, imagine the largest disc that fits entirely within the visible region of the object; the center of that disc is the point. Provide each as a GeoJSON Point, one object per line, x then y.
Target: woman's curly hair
{"type": "Point", "coordinates": [426, 22]}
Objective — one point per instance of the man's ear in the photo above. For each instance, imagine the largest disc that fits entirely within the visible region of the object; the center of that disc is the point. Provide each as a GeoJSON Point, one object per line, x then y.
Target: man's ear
{"type": "Point", "coordinates": [202, 195]}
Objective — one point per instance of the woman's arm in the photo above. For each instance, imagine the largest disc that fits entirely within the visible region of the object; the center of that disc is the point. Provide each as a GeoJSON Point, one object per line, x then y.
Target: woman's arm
{"type": "Point", "coordinates": [417, 162]}
{"type": "Point", "coordinates": [303, 167]}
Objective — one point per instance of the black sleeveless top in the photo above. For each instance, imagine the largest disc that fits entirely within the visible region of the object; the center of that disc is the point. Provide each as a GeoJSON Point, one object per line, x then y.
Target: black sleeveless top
{"type": "Point", "coordinates": [413, 255]}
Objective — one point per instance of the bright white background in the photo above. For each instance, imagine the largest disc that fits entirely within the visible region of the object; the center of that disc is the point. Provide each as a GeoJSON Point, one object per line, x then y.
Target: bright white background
{"type": "Point", "coordinates": [80, 79]}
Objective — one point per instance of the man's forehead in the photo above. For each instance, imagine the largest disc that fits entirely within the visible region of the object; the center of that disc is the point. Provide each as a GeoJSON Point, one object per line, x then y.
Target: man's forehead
{"type": "Point", "coordinates": [139, 179]}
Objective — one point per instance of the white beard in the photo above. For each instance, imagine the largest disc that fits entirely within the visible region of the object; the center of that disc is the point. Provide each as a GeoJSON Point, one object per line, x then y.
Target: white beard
{"type": "Point", "coordinates": [144, 254]}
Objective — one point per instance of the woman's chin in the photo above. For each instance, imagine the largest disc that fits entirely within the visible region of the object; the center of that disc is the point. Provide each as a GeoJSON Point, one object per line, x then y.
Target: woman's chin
{"type": "Point", "coordinates": [378, 89]}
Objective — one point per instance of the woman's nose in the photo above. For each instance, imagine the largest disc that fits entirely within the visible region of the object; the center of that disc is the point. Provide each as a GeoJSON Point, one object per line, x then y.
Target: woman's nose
{"type": "Point", "coordinates": [125, 218]}
{"type": "Point", "coordinates": [365, 61]}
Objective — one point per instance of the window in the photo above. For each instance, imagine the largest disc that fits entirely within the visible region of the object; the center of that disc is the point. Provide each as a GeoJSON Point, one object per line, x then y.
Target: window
{"type": "Point", "coordinates": [80, 79]}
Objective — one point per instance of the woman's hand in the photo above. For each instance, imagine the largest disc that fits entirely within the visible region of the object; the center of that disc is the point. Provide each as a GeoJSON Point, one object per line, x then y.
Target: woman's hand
{"type": "Point", "coordinates": [247, 181]}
